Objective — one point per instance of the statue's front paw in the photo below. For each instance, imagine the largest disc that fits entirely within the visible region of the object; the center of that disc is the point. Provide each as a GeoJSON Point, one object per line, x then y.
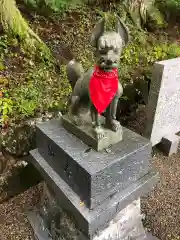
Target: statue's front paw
{"type": "Point", "coordinates": [99, 132]}
{"type": "Point", "coordinates": [115, 125]}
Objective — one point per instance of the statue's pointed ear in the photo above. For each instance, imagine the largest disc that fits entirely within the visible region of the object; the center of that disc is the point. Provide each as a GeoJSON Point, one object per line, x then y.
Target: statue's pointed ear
{"type": "Point", "coordinates": [122, 30]}
{"type": "Point", "coordinates": [97, 32]}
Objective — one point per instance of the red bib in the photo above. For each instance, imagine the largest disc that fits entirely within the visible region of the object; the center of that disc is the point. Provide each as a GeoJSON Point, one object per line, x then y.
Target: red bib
{"type": "Point", "coordinates": [103, 87]}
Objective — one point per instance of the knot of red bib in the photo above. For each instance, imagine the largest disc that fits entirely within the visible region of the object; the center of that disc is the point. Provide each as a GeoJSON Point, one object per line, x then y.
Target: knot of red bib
{"type": "Point", "coordinates": [102, 88]}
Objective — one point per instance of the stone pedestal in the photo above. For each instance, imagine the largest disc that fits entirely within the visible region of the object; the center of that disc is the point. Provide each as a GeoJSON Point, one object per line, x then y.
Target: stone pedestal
{"type": "Point", "coordinates": [127, 223]}
{"type": "Point", "coordinates": [85, 133]}
{"type": "Point", "coordinates": [93, 194]}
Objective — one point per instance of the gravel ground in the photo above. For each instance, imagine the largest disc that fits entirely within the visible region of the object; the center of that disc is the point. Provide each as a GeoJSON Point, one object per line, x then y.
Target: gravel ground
{"type": "Point", "coordinates": [13, 222]}
{"type": "Point", "coordinates": [161, 207]}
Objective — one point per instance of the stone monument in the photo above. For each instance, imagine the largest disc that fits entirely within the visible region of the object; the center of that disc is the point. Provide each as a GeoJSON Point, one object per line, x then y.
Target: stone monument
{"type": "Point", "coordinates": [95, 170]}
{"type": "Point", "coordinates": [163, 114]}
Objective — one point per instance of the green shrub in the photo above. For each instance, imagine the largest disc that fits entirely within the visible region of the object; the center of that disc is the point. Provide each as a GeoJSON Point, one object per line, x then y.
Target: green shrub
{"type": "Point", "coordinates": [170, 8]}
{"type": "Point", "coordinates": [41, 92]}
{"type": "Point", "coordinates": [142, 52]}
{"type": "Point", "coordinates": [52, 5]}
{"type": "Point", "coordinates": [6, 106]}
{"type": "Point", "coordinates": [173, 4]}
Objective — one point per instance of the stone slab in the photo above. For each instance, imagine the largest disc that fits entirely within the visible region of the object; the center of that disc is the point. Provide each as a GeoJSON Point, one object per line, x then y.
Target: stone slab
{"type": "Point", "coordinates": [163, 112]}
{"type": "Point", "coordinates": [37, 223]}
{"type": "Point", "coordinates": [42, 233]}
{"type": "Point", "coordinates": [126, 225]}
{"type": "Point", "coordinates": [89, 221]}
{"type": "Point", "coordinates": [85, 133]}
{"type": "Point", "coordinates": [94, 176]}
{"type": "Point", "coordinates": [149, 236]}
{"type": "Point", "coordinates": [169, 144]}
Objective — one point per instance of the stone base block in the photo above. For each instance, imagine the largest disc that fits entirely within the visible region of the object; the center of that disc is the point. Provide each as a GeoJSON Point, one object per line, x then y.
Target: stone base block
{"type": "Point", "coordinates": [94, 176]}
{"type": "Point", "coordinates": [85, 133]}
{"type": "Point", "coordinates": [111, 233]}
{"type": "Point", "coordinates": [50, 223]}
{"type": "Point", "coordinates": [89, 222]}
{"type": "Point", "coordinates": [37, 223]}
{"type": "Point", "coordinates": [126, 225]}
{"type": "Point", "coordinates": [169, 144]}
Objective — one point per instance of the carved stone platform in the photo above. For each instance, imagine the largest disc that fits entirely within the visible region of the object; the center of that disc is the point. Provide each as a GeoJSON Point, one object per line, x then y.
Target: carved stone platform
{"type": "Point", "coordinates": [85, 133]}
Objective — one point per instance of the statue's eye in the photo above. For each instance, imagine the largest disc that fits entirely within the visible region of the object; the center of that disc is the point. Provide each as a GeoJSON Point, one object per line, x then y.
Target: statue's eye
{"type": "Point", "coordinates": [101, 60]}
{"type": "Point", "coordinates": [103, 51]}
{"type": "Point", "coordinates": [116, 50]}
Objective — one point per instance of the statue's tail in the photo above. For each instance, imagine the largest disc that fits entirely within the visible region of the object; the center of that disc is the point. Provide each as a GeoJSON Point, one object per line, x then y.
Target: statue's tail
{"type": "Point", "coordinates": [74, 72]}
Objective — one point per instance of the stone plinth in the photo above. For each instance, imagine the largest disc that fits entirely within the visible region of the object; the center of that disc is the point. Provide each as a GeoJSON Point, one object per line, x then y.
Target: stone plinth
{"type": "Point", "coordinates": [89, 221]}
{"type": "Point", "coordinates": [85, 133]}
{"type": "Point", "coordinates": [127, 223]}
{"type": "Point", "coordinates": [94, 176]}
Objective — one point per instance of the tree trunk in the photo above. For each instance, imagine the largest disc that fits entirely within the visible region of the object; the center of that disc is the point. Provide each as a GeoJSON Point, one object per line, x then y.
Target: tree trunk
{"type": "Point", "coordinates": [13, 22]}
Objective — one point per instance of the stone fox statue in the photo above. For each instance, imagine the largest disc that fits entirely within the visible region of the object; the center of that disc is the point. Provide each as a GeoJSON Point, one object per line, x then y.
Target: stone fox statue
{"type": "Point", "coordinates": [100, 85]}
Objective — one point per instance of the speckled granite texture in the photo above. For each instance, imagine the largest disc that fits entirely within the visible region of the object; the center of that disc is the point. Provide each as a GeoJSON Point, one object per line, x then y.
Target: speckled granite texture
{"type": "Point", "coordinates": [94, 176]}
{"type": "Point", "coordinates": [89, 221]}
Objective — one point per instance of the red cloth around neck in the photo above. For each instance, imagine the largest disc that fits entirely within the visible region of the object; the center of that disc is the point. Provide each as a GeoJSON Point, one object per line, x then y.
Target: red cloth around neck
{"type": "Point", "coordinates": [103, 87]}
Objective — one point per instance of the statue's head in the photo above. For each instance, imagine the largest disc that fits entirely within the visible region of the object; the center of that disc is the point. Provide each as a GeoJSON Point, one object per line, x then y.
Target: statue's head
{"type": "Point", "coordinates": [109, 45]}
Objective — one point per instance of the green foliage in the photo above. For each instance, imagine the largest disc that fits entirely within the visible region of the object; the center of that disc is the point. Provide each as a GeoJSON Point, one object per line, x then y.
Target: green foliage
{"type": "Point", "coordinates": [173, 4]}
{"type": "Point", "coordinates": [6, 105]}
{"type": "Point", "coordinates": [27, 97]}
{"type": "Point", "coordinates": [170, 9]}
{"type": "Point", "coordinates": [155, 18]}
{"type": "Point", "coordinates": [141, 54]}
{"type": "Point", "coordinates": [41, 92]}
{"type": "Point", "coordinates": [52, 5]}
{"type": "Point", "coordinates": [37, 89]}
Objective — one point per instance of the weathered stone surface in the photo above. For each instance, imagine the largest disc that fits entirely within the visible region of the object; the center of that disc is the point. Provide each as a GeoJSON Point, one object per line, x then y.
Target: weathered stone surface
{"type": "Point", "coordinates": [169, 144]}
{"type": "Point", "coordinates": [37, 223]}
{"type": "Point", "coordinates": [89, 221]}
{"type": "Point", "coordinates": [163, 112]}
{"type": "Point", "coordinates": [18, 140]}
{"type": "Point", "coordinates": [149, 236]}
{"type": "Point", "coordinates": [126, 225]}
{"type": "Point", "coordinates": [94, 176]}
{"type": "Point", "coordinates": [85, 133]}
{"type": "Point", "coordinates": [51, 222]}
